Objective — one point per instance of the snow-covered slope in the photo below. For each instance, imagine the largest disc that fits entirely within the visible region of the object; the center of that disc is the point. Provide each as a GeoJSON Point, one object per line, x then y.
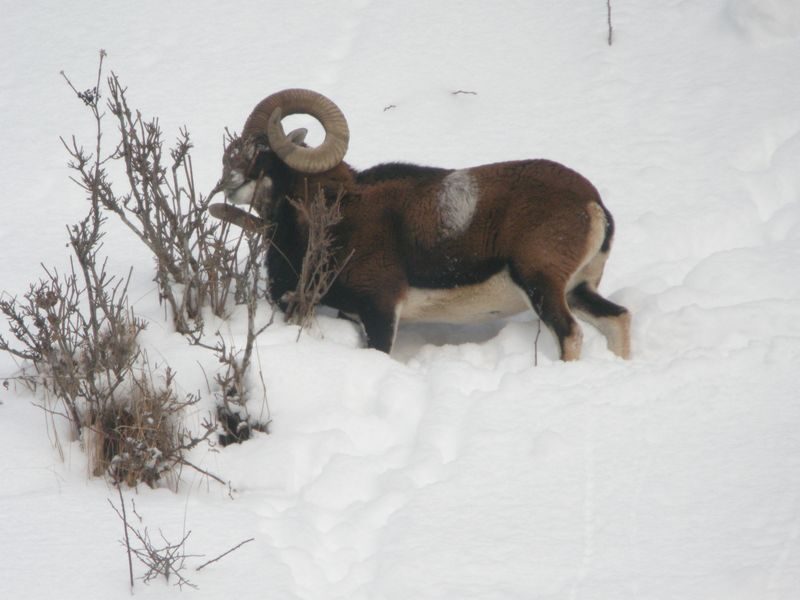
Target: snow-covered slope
{"type": "Point", "coordinates": [454, 468]}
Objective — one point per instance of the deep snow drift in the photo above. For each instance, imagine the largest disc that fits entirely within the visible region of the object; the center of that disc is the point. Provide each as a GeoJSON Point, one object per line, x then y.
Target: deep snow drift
{"type": "Point", "coordinates": [454, 468]}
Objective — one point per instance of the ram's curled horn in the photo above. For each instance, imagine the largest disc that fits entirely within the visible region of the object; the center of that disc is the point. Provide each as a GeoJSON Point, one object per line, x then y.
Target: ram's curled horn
{"type": "Point", "coordinates": [266, 118]}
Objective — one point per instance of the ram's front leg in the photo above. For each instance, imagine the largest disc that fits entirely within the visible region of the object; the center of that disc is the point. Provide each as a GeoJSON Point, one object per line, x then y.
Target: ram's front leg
{"type": "Point", "coordinates": [379, 319]}
{"type": "Point", "coordinates": [372, 288]}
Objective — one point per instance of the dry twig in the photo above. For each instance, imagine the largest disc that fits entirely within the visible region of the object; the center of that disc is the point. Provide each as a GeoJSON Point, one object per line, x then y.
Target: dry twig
{"type": "Point", "coordinates": [224, 554]}
{"type": "Point", "coordinates": [160, 558]}
{"type": "Point", "coordinates": [320, 267]}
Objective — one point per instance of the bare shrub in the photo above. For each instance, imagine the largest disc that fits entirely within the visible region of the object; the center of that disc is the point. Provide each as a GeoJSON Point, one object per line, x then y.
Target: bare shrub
{"type": "Point", "coordinates": [233, 392]}
{"type": "Point", "coordinates": [233, 415]}
{"type": "Point", "coordinates": [143, 438]}
{"type": "Point", "coordinates": [320, 267]}
{"type": "Point", "coordinates": [80, 337]}
{"type": "Point", "coordinates": [196, 264]}
{"type": "Point", "coordinates": [160, 557]}
{"type": "Point", "coordinates": [232, 412]}
{"type": "Point", "coordinates": [78, 333]}
{"type": "Point", "coordinates": [76, 329]}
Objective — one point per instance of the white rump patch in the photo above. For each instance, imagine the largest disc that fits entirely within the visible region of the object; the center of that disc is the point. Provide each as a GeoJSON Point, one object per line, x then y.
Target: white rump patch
{"type": "Point", "coordinates": [457, 201]}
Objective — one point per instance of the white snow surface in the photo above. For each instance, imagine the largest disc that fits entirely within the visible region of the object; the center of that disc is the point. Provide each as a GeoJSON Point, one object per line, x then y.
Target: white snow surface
{"type": "Point", "coordinates": [455, 468]}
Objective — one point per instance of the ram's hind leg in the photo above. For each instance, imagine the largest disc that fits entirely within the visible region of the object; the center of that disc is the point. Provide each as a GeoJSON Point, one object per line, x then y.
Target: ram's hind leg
{"type": "Point", "coordinates": [548, 300]}
{"type": "Point", "coordinates": [612, 320]}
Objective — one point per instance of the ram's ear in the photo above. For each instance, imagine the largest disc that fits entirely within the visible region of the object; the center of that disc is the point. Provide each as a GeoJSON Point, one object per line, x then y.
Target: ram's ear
{"type": "Point", "coordinates": [298, 136]}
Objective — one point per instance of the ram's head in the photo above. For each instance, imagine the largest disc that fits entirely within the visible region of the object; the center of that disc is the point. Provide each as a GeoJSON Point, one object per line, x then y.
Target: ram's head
{"type": "Point", "coordinates": [254, 164]}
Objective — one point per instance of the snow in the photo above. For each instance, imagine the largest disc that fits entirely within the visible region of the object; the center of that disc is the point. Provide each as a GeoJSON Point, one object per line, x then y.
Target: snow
{"type": "Point", "coordinates": [454, 468]}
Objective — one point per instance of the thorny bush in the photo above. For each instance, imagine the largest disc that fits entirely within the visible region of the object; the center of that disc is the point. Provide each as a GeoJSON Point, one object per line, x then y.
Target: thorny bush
{"type": "Point", "coordinates": [75, 331]}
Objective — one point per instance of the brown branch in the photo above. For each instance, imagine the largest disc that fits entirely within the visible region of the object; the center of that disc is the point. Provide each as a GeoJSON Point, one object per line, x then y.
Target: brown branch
{"type": "Point", "coordinates": [203, 471]}
{"type": "Point", "coordinates": [124, 518]}
{"type": "Point", "coordinates": [236, 547]}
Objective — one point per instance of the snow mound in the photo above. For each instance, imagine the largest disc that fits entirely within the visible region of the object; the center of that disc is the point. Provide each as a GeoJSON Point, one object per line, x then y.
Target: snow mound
{"type": "Point", "coordinates": [766, 20]}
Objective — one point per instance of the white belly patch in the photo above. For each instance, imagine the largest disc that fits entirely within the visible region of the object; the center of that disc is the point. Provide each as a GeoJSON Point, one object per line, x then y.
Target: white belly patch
{"type": "Point", "coordinates": [496, 297]}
